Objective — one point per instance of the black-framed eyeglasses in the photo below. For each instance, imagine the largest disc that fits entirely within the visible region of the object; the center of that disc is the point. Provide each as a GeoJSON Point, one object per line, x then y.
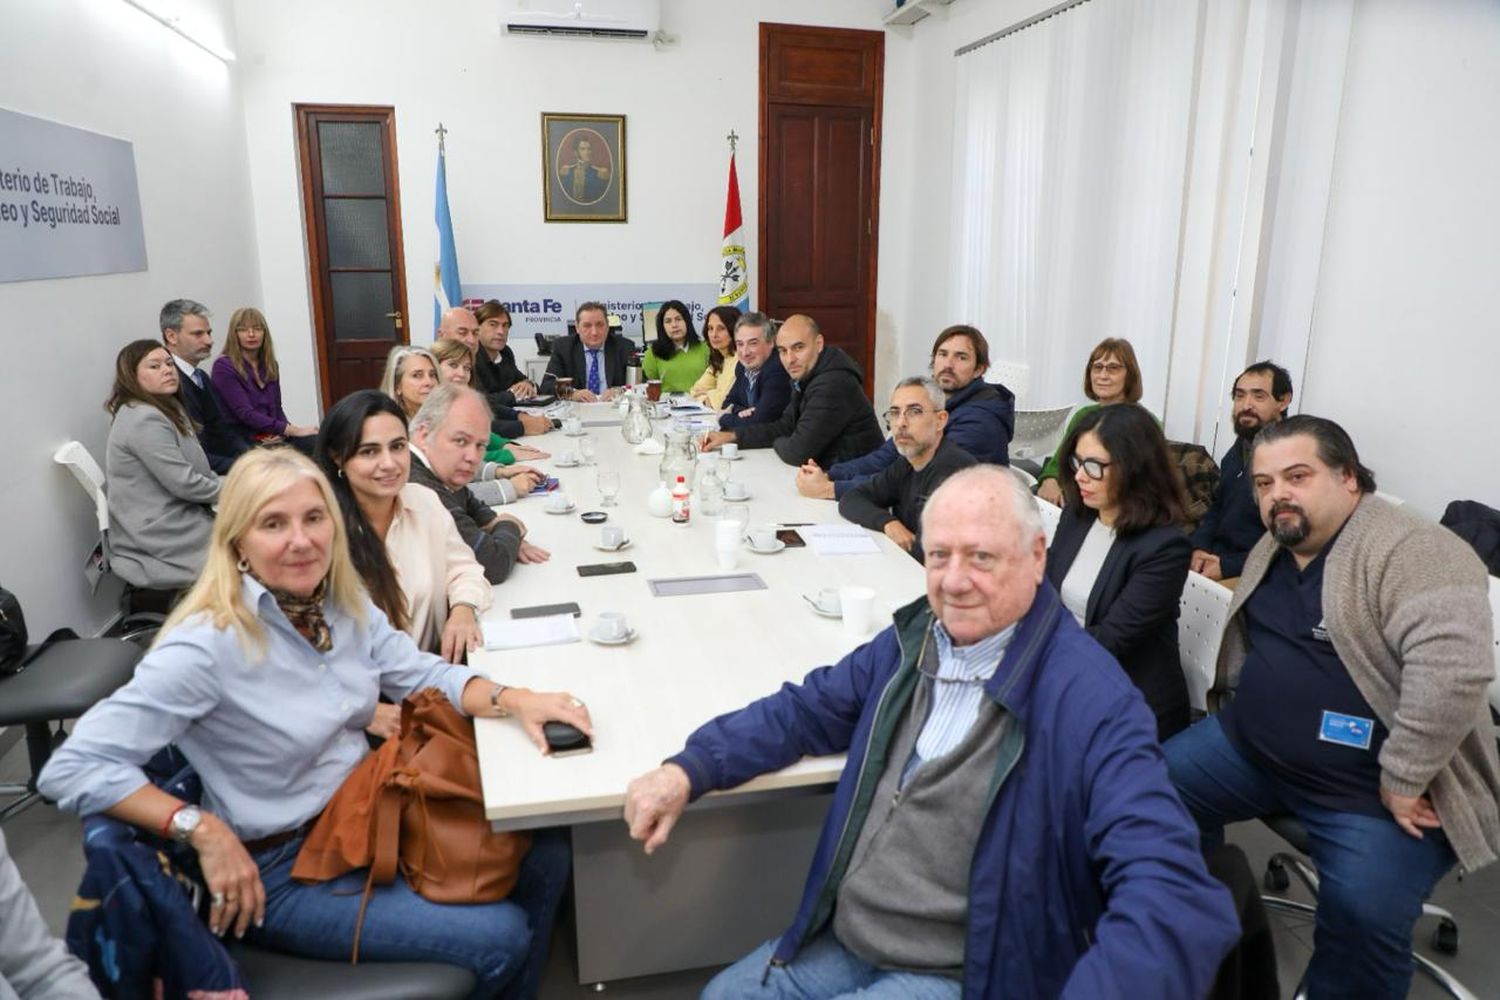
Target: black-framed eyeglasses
{"type": "Point", "coordinates": [913, 412]}
{"type": "Point", "coordinates": [1092, 467]}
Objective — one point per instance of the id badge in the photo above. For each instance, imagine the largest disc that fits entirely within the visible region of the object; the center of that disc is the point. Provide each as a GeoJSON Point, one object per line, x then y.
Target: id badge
{"type": "Point", "coordinates": [1346, 730]}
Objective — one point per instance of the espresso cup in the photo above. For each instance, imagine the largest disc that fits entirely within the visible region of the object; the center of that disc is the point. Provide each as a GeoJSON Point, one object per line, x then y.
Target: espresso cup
{"type": "Point", "coordinates": [573, 425]}
{"type": "Point", "coordinates": [736, 490]}
{"type": "Point", "coordinates": [559, 501]}
{"type": "Point", "coordinates": [612, 536]}
{"type": "Point", "coordinates": [612, 625]}
{"type": "Point", "coordinates": [763, 537]}
{"type": "Point", "coordinates": [729, 449]}
{"type": "Point", "coordinates": [828, 600]}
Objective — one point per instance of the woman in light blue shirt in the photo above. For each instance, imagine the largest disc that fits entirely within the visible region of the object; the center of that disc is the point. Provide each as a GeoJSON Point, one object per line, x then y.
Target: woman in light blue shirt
{"type": "Point", "coordinates": [265, 677]}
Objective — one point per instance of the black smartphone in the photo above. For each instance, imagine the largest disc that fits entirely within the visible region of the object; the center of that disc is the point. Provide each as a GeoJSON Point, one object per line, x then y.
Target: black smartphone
{"type": "Point", "coordinates": [606, 569]}
{"type": "Point", "coordinates": [544, 610]}
{"type": "Point", "coordinates": [565, 740]}
{"type": "Point", "coordinates": [790, 538]}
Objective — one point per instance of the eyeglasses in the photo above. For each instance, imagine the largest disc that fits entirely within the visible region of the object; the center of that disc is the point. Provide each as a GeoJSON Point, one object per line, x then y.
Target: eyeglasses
{"type": "Point", "coordinates": [1092, 467]}
{"type": "Point", "coordinates": [1106, 368]}
{"type": "Point", "coordinates": [914, 412]}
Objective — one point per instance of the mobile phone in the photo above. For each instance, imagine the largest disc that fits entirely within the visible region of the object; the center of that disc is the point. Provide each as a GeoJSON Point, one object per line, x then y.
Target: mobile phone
{"type": "Point", "coordinates": [545, 610]}
{"type": "Point", "coordinates": [606, 569]}
{"type": "Point", "coordinates": [565, 740]}
{"type": "Point", "coordinates": [545, 486]}
{"type": "Point", "coordinates": [790, 538]}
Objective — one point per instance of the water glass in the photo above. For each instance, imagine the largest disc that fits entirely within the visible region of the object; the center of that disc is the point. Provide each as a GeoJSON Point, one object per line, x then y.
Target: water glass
{"type": "Point", "coordinates": [737, 513]}
{"type": "Point", "coordinates": [586, 449]}
{"type": "Point", "coordinates": [609, 488]}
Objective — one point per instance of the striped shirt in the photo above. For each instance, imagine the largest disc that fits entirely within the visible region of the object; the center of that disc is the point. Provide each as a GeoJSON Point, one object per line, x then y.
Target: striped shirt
{"type": "Point", "coordinates": [957, 690]}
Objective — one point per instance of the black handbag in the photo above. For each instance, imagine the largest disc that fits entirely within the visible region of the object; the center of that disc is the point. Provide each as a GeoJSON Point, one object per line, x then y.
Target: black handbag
{"type": "Point", "coordinates": [13, 657]}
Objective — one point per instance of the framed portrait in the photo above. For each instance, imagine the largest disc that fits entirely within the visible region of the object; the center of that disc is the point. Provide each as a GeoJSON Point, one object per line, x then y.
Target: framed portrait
{"type": "Point", "coordinates": [583, 167]}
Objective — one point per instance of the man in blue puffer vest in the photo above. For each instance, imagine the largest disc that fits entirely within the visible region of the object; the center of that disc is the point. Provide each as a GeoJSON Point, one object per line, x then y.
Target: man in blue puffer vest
{"type": "Point", "coordinates": [1004, 826]}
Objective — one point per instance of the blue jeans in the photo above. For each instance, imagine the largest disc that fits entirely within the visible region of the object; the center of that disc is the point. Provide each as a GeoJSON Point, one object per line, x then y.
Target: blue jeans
{"type": "Point", "coordinates": [1373, 877]}
{"type": "Point", "coordinates": [504, 944]}
{"type": "Point", "coordinates": [823, 970]}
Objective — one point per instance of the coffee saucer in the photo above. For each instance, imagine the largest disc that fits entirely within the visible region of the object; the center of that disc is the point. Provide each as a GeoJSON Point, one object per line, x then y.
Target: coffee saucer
{"type": "Point", "coordinates": [731, 458]}
{"type": "Point", "coordinates": [625, 639]}
{"type": "Point", "coordinates": [821, 611]}
{"type": "Point", "coordinates": [570, 508]}
{"type": "Point", "coordinates": [739, 499]}
{"type": "Point", "coordinates": [563, 463]}
{"type": "Point", "coordinates": [581, 432]}
{"type": "Point", "coordinates": [777, 547]}
{"type": "Point", "coordinates": [613, 548]}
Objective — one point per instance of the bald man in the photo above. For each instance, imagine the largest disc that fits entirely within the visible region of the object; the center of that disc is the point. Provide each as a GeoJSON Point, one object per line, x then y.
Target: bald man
{"type": "Point", "coordinates": [828, 419]}
{"type": "Point", "coordinates": [459, 323]}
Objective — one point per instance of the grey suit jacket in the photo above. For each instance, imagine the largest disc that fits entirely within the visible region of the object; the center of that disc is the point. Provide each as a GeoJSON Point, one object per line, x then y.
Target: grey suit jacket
{"type": "Point", "coordinates": [159, 486]}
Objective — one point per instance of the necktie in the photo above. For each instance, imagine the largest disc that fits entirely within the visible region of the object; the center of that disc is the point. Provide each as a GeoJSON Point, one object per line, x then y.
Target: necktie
{"type": "Point", "coordinates": [750, 379]}
{"type": "Point", "coordinates": [198, 377]}
{"type": "Point", "coordinates": [593, 379]}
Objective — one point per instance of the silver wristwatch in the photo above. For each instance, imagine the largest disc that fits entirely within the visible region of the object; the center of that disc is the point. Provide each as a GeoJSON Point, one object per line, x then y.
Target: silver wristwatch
{"type": "Point", "coordinates": [184, 822]}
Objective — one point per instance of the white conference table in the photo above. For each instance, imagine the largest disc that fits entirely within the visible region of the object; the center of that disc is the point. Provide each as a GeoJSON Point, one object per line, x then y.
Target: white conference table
{"type": "Point", "coordinates": [694, 657]}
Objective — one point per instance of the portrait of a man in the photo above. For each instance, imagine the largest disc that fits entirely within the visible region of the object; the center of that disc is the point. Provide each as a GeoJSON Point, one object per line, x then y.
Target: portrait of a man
{"type": "Point", "coordinates": [584, 167]}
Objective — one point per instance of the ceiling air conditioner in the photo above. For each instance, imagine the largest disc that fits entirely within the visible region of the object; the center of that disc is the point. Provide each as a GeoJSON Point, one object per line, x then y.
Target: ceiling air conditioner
{"type": "Point", "coordinates": [582, 18]}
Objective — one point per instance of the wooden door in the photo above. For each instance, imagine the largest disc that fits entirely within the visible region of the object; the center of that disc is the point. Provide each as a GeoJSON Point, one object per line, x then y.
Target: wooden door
{"type": "Point", "coordinates": [820, 92]}
{"type": "Point", "coordinates": [352, 211]}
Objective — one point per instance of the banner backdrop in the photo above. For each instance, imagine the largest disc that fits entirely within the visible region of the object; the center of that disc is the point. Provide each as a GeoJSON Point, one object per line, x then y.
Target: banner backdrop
{"type": "Point", "coordinates": [549, 309]}
{"type": "Point", "coordinates": [69, 204]}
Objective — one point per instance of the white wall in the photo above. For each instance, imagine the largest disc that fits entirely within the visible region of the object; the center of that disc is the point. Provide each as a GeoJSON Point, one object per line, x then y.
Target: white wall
{"type": "Point", "coordinates": [106, 67]}
{"type": "Point", "coordinates": [450, 62]}
{"type": "Point", "coordinates": [1404, 351]}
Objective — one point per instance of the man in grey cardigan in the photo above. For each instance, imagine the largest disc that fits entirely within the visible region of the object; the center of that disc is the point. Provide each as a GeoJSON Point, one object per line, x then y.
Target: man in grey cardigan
{"type": "Point", "coordinates": [1351, 693]}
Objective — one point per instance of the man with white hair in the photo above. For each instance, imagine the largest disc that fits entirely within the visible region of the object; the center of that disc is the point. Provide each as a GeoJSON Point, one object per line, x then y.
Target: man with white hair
{"type": "Point", "coordinates": [891, 501]}
{"type": "Point", "coordinates": [459, 324]}
{"type": "Point", "coordinates": [1004, 825]}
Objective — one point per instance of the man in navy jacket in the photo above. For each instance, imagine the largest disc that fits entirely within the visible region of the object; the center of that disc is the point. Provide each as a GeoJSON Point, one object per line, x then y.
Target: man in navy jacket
{"type": "Point", "coordinates": [761, 387]}
{"type": "Point", "coordinates": [985, 717]}
{"type": "Point", "coordinates": [1232, 526]}
{"type": "Point", "coordinates": [981, 417]}
{"type": "Point", "coordinates": [186, 332]}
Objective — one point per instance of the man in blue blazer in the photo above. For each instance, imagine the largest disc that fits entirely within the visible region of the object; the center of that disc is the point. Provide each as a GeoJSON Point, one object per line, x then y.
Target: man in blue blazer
{"type": "Point", "coordinates": [189, 338]}
{"type": "Point", "coordinates": [1004, 825]}
{"type": "Point", "coordinates": [761, 387]}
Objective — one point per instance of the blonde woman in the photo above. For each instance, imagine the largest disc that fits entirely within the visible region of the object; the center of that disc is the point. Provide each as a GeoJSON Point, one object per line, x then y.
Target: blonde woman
{"type": "Point", "coordinates": [265, 676]}
{"type": "Point", "coordinates": [410, 374]}
{"type": "Point", "coordinates": [248, 382]}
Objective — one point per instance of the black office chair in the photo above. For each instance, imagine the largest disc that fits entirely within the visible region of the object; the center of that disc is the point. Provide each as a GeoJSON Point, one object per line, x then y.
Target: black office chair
{"type": "Point", "coordinates": [1278, 879]}
{"type": "Point", "coordinates": [62, 682]}
{"type": "Point", "coordinates": [271, 974]}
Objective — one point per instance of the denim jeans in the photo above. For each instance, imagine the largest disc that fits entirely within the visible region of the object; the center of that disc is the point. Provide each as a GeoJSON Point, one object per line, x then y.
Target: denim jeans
{"type": "Point", "coordinates": [1373, 876]}
{"type": "Point", "coordinates": [504, 944]}
{"type": "Point", "coordinates": [823, 970]}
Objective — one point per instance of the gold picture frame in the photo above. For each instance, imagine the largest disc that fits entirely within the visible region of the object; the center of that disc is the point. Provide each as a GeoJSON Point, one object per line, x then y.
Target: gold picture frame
{"type": "Point", "coordinates": [583, 168]}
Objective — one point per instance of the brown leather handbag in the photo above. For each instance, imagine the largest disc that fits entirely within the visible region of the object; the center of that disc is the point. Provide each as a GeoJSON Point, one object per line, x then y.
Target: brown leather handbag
{"type": "Point", "coordinates": [416, 804]}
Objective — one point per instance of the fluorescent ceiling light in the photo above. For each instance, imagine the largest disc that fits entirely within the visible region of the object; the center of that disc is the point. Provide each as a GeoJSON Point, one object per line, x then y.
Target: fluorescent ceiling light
{"type": "Point", "coordinates": [167, 16]}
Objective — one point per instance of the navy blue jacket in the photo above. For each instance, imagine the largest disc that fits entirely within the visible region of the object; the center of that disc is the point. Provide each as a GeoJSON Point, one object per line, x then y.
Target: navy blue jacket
{"type": "Point", "coordinates": [221, 440]}
{"type": "Point", "coordinates": [773, 390]}
{"type": "Point", "coordinates": [981, 421]}
{"type": "Point", "coordinates": [1232, 525]}
{"type": "Point", "coordinates": [1086, 881]}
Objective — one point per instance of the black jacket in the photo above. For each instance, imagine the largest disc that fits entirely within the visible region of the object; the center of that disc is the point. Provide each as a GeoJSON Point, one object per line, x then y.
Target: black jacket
{"type": "Point", "coordinates": [494, 378]}
{"type": "Point", "coordinates": [827, 420]}
{"type": "Point", "coordinates": [222, 443]}
{"type": "Point", "coordinates": [1132, 610]}
{"type": "Point", "coordinates": [773, 390]}
{"type": "Point", "coordinates": [569, 360]}
{"type": "Point", "coordinates": [1232, 525]}
{"type": "Point", "coordinates": [899, 492]}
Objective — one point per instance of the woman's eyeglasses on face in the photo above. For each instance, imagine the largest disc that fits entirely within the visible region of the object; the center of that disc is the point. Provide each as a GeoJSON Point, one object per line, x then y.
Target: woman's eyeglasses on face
{"type": "Point", "coordinates": [1106, 367]}
{"type": "Point", "coordinates": [1092, 467]}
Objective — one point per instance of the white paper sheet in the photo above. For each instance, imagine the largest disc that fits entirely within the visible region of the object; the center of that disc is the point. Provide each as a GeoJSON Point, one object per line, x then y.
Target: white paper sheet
{"type": "Point", "coordinates": [519, 633]}
{"type": "Point", "coordinates": [839, 540]}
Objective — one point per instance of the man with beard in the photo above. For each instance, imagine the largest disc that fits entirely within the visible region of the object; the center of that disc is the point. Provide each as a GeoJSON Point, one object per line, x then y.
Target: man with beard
{"type": "Point", "coordinates": [891, 501]}
{"type": "Point", "coordinates": [1351, 693]}
{"type": "Point", "coordinates": [1232, 525]}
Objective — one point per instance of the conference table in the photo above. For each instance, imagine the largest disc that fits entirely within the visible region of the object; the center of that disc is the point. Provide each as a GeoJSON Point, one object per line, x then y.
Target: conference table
{"type": "Point", "coordinates": [733, 870]}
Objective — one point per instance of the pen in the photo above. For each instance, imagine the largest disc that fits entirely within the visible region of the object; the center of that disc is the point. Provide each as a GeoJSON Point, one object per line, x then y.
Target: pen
{"type": "Point", "coordinates": [796, 524]}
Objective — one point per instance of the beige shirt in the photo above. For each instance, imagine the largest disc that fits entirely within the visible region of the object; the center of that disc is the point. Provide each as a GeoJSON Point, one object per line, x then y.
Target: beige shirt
{"type": "Point", "coordinates": [434, 566]}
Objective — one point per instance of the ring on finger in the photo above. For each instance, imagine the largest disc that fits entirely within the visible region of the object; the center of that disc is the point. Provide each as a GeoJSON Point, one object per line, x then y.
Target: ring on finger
{"type": "Point", "coordinates": [218, 899]}
{"type": "Point", "coordinates": [231, 900]}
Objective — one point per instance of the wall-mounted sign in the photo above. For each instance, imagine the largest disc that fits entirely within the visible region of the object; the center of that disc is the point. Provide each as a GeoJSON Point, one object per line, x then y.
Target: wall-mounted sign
{"type": "Point", "coordinates": [69, 204]}
{"type": "Point", "coordinates": [548, 309]}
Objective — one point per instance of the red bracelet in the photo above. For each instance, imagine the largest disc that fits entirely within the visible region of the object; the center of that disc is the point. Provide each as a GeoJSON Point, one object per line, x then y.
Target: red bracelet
{"type": "Point", "coordinates": [166, 828]}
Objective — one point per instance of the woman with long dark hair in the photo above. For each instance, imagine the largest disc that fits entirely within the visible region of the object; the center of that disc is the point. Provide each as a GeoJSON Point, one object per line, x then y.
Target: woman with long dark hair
{"type": "Point", "coordinates": [718, 378]}
{"type": "Point", "coordinates": [160, 483]}
{"type": "Point", "coordinates": [1120, 557]}
{"type": "Point", "coordinates": [678, 355]}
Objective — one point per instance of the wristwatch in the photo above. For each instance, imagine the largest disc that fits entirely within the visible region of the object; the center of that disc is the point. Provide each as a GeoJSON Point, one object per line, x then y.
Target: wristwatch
{"type": "Point", "coordinates": [495, 693]}
{"type": "Point", "coordinates": [184, 821]}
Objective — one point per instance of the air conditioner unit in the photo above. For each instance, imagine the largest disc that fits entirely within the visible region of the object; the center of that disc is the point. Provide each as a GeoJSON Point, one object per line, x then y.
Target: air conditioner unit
{"type": "Point", "coordinates": [583, 18]}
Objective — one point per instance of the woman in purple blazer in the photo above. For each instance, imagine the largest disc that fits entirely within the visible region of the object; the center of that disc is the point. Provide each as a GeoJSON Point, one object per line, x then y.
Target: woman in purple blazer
{"type": "Point", "coordinates": [248, 382]}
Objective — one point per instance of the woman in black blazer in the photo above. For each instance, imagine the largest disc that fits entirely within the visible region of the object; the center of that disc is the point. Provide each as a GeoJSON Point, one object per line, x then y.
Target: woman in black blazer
{"type": "Point", "coordinates": [1121, 541]}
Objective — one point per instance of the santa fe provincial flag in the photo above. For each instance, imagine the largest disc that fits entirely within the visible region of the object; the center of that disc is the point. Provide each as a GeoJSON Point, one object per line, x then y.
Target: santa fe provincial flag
{"type": "Point", "coordinates": [734, 279]}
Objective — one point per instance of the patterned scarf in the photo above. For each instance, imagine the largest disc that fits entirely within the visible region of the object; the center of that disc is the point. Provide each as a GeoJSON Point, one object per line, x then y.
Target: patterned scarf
{"type": "Point", "coordinates": [305, 614]}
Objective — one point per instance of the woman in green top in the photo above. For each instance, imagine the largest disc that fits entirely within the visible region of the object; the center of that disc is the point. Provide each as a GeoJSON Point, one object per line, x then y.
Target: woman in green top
{"type": "Point", "coordinates": [1111, 376]}
{"type": "Point", "coordinates": [678, 355]}
{"type": "Point", "coordinates": [456, 364]}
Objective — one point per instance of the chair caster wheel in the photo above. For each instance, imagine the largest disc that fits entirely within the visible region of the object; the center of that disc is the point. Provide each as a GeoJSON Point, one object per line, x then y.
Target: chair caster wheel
{"type": "Point", "coordinates": [1445, 937]}
{"type": "Point", "coordinates": [1276, 878]}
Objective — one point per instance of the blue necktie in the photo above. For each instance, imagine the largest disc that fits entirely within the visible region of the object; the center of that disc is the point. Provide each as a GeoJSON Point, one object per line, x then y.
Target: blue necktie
{"type": "Point", "coordinates": [198, 377]}
{"type": "Point", "coordinates": [750, 380]}
{"type": "Point", "coordinates": [593, 379]}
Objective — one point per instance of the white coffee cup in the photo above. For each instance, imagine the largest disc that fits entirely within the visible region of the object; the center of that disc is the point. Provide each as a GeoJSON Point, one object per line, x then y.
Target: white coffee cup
{"type": "Point", "coordinates": [763, 536]}
{"type": "Point", "coordinates": [728, 555]}
{"type": "Point", "coordinates": [612, 625]}
{"type": "Point", "coordinates": [569, 458]}
{"type": "Point", "coordinates": [612, 536]}
{"type": "Point", "coordinates": [828, 600]}
{"type": "Point", "coordinates": [858, 607]}
{"type": "Point", "coordinates": [736, 490]}
{"type": "Point", "coordinates": [559, 501]}
{"type": "Point", "coordinates": [573, 425]}
{"type": "Point", "coordinates": [729, 449]}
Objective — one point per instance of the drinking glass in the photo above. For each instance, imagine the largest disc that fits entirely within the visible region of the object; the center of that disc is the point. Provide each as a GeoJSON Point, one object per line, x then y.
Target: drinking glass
{"type": "Point", "coordinates": [586, 449]}
{"type": "Point", "coordinates": [738, 513]}
{"type": "Point", "coordinates": [609, 488]}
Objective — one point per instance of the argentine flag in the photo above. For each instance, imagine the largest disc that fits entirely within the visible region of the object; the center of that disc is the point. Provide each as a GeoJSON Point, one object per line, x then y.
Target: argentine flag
{"type": "Point", "coordinates": [734, 276]}
{"type": "Point", "coordinates": [445, 286]}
